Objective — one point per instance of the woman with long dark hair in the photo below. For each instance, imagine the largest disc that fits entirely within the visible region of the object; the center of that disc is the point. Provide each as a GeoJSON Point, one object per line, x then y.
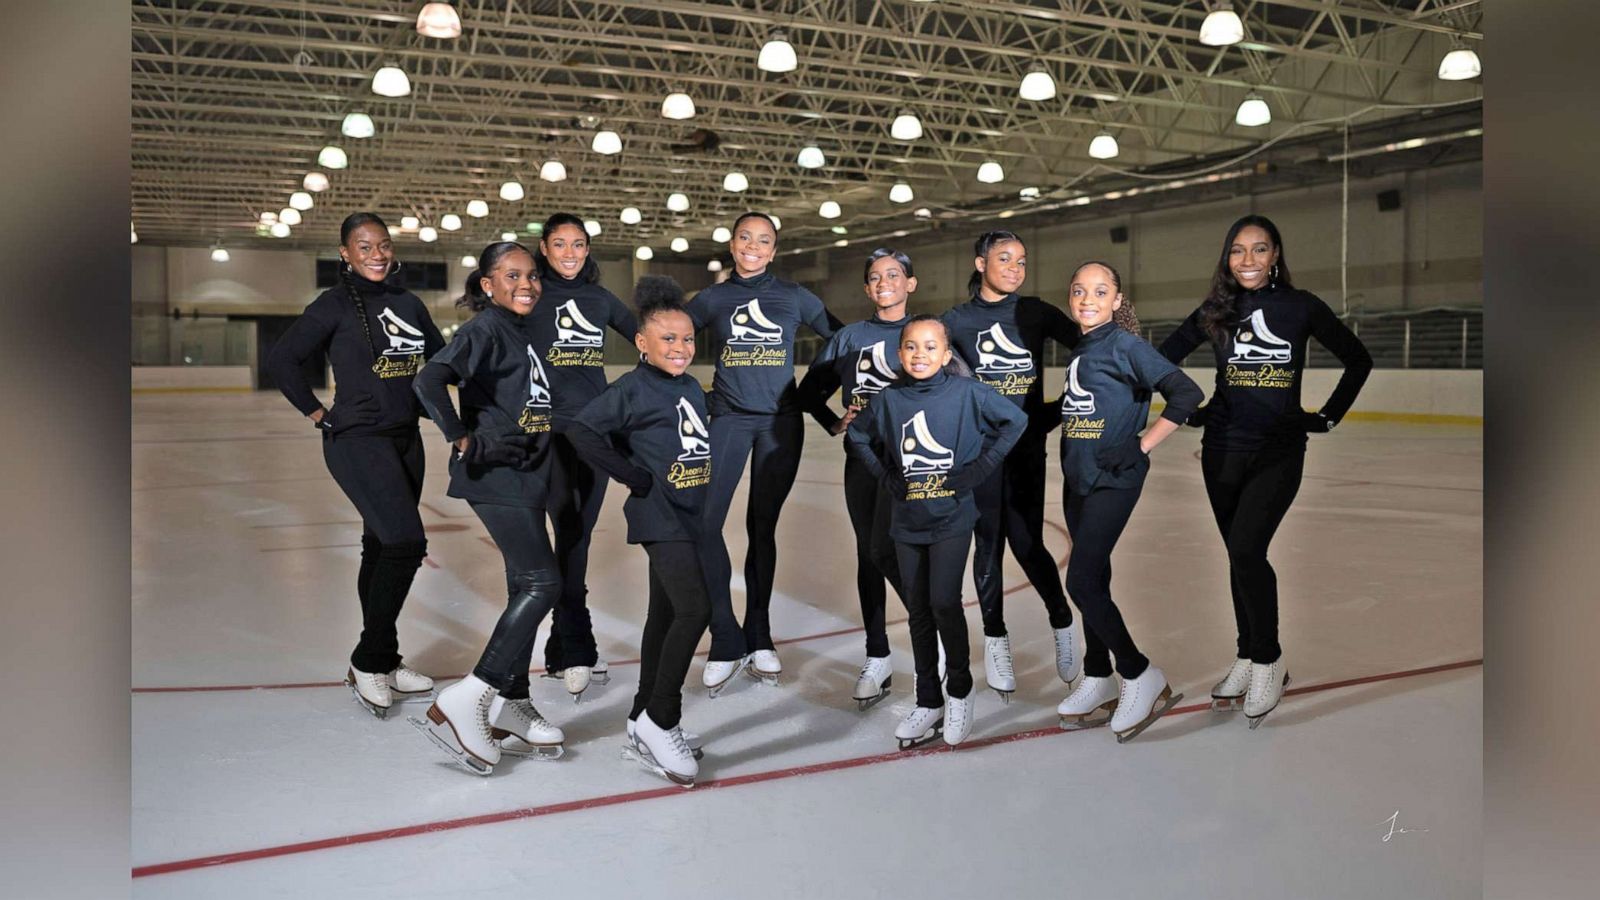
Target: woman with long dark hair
{"type": "Point", "coordinates": [1254, 447]}
{"type": "Point", "coordinates": [376, 336]}
{"type": "Point", "coordinates": [568, 327]}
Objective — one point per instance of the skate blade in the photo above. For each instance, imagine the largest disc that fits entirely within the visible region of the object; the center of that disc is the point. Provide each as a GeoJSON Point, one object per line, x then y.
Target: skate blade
{"type": "Point", "coordinates": [933, 734]}
{"type": "Point", "coordinates": [629, 752]}
{"type": "Point", "coordinates": [594, 677]}
{"type": "Point", "coordinates": [1227, 704]}
{"type": "Point", "coordinates": [427, 696]}
{"type": "Point", "coordinates": [1005, 696]}
{"type": "Point", "coordinates": [519, 748]}
{"type": "Point", "coordinates": [1100, 716]}
{"type": "Point", "coordinates": [379, 712]}
{"type": "Point", "coordinates": [767, 678]}
{"type": "Point", "coordinates": [865, 703]}
{"type": "Point", "coordinates": [457, 754]}
{"type": "Point", "coordinates": [1255, 721]}
{"type": "Point", "coordinates": [1159, 711]}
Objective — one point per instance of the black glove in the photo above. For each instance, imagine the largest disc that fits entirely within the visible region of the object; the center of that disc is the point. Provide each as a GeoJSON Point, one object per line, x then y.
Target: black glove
{"type": "Point", "coordinates": [488, 449]}
{"type": "Point", "coordinates": [1045, 419]}
{"type": "Point", "coordinates": [1115, 458]}
{"type": "Point", "coordinates": [1197, 419]}
{"type": "Point", "coordinates": [1314, 423]}
{"type": "Point", "coordinates": [362, 409]}
{"type": "Point", "coordinates": [895, 483]}
{"type": "Point", "coordinates": [640, 483]}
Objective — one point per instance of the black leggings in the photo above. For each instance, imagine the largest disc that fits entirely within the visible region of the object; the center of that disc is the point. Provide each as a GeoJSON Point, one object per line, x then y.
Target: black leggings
{"type": "Point", "coordinates": [1095, 522]}
{"type": "Point", "coordinates": [532, 586]}
{"type": "Point", "coordinates": [772, 443]}
{"type": "Point", "coordinates": [680, 609]}
{"type": "Point", "coordinates": [1250, 493]}
{"type": "Point", "coordinates": [869, 506]}
{"type": "Point", "coordinates": [576, 495]}
{"type": "Point", "coordinates": [382, 476]}
{"type": "Point", "coordinates": [931, 574]}
{"type": "Point", "coordinates": [1011, 511]}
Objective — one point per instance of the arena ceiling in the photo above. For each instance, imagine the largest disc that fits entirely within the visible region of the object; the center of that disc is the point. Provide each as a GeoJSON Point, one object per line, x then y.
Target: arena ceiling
{"type": "Point", "coordinates": [233, 102]}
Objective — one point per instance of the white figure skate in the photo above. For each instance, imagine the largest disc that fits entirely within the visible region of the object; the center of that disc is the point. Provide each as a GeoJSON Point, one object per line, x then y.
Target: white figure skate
{"type": "Point", "coordinates": [1228, 694]}
{"type": "Point", "coordinates": [695, 742]}
{"type": "Point", "coordinates": [371, 690]}
{"type": "Point", "coordinates": [522, 731]}
{"type": "Point", "coordinates": [458, 724]}
{"type": "Point", "coordinates": [920, 726]}
{"type": "Point", "coordinates": [958, 722]}
{"type": "Point", "coordinates": [873, 683]}
{"type": "Point", "coordinates": [997, 668]}
{"type": "Point", "coordinates": [1069, 665]}
{"type": "Point", "coordinates": [1090, 704]}
{"type": "Point", "coordinates": [1140, 702]}
{"type": "Point", "coordinates": [764, 666]}
{"type": "Point", "coordinates": [1266, 689]}
{"type": "Point", "coordinates": [407, 684]}
{"type": "Point", "coordinates": [719, 674]}
{"type": "Point", "coordinates": [663, 751]}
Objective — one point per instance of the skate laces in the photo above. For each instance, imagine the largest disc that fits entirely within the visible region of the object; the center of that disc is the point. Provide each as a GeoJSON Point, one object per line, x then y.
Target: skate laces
{"type": "Point", "coordinates": [1002, 661]}
{"type": "Point", "coordinates": [679, 742]}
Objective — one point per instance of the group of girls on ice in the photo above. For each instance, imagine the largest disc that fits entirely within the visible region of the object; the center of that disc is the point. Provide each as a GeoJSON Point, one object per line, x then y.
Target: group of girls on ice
{"type": "Point", "coordinates": [944, 428]}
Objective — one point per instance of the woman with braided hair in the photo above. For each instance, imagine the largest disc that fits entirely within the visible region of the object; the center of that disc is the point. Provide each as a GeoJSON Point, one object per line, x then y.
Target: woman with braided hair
{"type": "Point", "coordinates": [376, 337]}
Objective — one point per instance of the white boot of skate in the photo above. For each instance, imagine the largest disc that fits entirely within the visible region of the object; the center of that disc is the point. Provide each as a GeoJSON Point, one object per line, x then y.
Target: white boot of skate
{"type": "Point", "coordinates": [1068, 663]}
{"type": "Point", "coordinates": [764, 666]}
{"type": "Point", "coordinates": [1266, 689]}
{"type": "Point", "coordinates": [1140, 702]}
{"type": "Point", "coordinates": [1229, 692]}
{"type": "Point", "coordinates": [958, 719]}
{"type": "Point", "coordinates": [1090, 704]}
{"type": "Point", "coordinates": [663, 751]}
{"type": "Point", "coordinates": [576, 678]}
{"type": "Point", "coordinates": [522, 731]}
{"type": "Point", "coordinates": [694, 741]}
{"type": "Point", "coordinates": [997, 669]}
{"type": "Point", "coordinates": [371, 690]}
{"type": "Point", "coordinates": [919, 727]}
{"type": "Point", "coordinates": [872, 684]}
{"type": "Point", "coordinates": [719, 674]}
{"type": "Point", "coordinates": [458, 723]}
{"type": "Point", "coordinates": [406, 683]}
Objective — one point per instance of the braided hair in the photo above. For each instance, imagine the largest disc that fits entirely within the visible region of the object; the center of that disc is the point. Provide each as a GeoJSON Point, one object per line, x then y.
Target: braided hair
{"type": "Point", "coordinates": [1125, 317]}
{"type": "Point", "coordinates": [956, 366]}
{"type": "Point", "coordinates": [347, 272]}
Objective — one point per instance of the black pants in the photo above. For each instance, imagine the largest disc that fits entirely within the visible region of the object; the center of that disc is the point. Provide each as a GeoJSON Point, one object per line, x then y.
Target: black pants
{"type": "Point", "coordinates": [382, 476]}
{"type": "Point", "coordinates": [1250, 494]}
{"type": "Point", "coordinates": [869, 507]}
{"type": "Point", "coordinates": [772, 443]}
{"type": "Point", "coordinates": [533, 583]}
{"type": "Point", "coordinates": [680, 609]}
{"type": "Point", "coordinates": [931, 574]}
{"type": "Point", "coordinates": [576, 495]}
{"type": "Point", "coordinates": [1095, 522]}
{"type": "Point", "coordinates": [1011, 511]}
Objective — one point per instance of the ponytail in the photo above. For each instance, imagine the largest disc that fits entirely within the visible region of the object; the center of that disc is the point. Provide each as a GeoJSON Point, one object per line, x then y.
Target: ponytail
{"type": "Point", "coordinates": [347, 273]}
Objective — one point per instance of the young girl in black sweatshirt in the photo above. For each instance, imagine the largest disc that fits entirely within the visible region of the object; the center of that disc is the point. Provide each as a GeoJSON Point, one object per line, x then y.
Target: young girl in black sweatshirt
{"type": "Point", "coordinates": [1104, 459]}
{"type": "Point", "coordinates": [501, 467]}
{"type": "Point", "coordinates": [648, 431]}
{"type": "Point", "coordinates": [375, 336]}
{"type": "Point", "coordinates": [932, 437]}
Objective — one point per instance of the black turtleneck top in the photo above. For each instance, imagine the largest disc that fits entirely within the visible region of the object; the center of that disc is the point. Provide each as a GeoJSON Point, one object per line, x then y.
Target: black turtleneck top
{"type": "Point", "coordinates": [569, 331]}
{"type": "Point", "coordinates": [1003, 343]}
{"type": "Point", "coordinates": [862, 358]}
{"type": "Point", "coordinates": [752, 324]}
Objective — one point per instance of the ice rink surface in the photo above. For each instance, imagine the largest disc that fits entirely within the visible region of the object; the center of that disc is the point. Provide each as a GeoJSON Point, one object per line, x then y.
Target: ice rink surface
{"type": "Point", "coordinates": [256, 775]}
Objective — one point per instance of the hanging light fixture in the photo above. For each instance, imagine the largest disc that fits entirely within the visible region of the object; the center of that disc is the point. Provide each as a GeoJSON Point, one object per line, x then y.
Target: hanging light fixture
{"type": "Point", "coordinates": [358, 125]}
{"type": "Point", "coordinates": [1253, 111]}
{"type": "Point", "coordinates": [450, 222]}
{"type": "Point", "coordinates": [512, 191]}
{"type": "Point", "coordinates": [777, 54]}
{"type": "Point", "coordinates": [1104, 146]}
{"type": "Point", "coordinates": [332, 157]}
{"type": "Point", "coordinates": [678, 202]}
{"type": "Point", "coordinates": [315, 181]}
{"type": "Point", "coordinates": [777, 223]}
{"type": "Point", "coordinates": [391, 81]}
{"type": "Point", "coordinates": [922, 212]}
{"type": "Point", "coordinates": [1221, 27]}
{"type": "Point", "coordinates": [680, 244]}
{"type": "Point", "coordinates": [592, 227]}
{"type": "Point", "coordinates": [1029, 193]}
{"type": "Point", "coordinates": [394, 231]}
{"type": "Point", "coordinates": [644, 253]}
{"type": "Point", "coordinates": [410, 223]}
{"type": "Point", "coordinates": [1460, 64]}
{"type": "Point", "coordinates": [991, 173]}
{"type": "Point", "coordinates": [289, 215]}
{"type": "Point", "coordinates": [427, 234]}
{"type": "Point", "coordinates": [269, 218]}
{"type": "Point", "coordinates": [631, 215]}
{"type": "Point", "coordinates": [606, 143]}
{"type": "Point", "coordinates": [280, 230]}
{"type": "Point", "coordinates": [469, 261]}
{"type": "Point", "coordinates": [553, 171]}
{"type": "Point", "coordinates": [438, 20]}
{"type": "Point", "coordinates": [829, 210]}
{"type": "Point", "coordinates": [301, 200]}
{"type": "Point", "coordinates": [678, 105]}
{"type": "Point", "coordinates": [714, 266]}
{"type": "Point", "coordinates": [900, 193]}
{"type": "Point", "coordinates": [1037, 84]}
{"type": "Point", "coordinates": [839, 229]}
{"type": "Point", "coordinates": [508, 235]}
{"type": "Point", "coordinates": [906, 127]}
{"type": "Point", "coordinates": [735, 182]}
{"type": "Point", "coordinates": [219, 253]}
{"type": "Point", "coordinates": [841, 242]}
{"type": "Point", "coordinates": [721, 235]}
{"type": "Point", "coordinates": [811, 157]}
{"type": "Point", "coordinates": [477, 209]}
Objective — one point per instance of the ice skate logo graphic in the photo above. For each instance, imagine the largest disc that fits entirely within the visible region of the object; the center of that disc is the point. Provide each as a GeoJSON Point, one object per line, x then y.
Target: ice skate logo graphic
{"type": "Point", "coordinates": [404, 340]}
{"type": "Point", "coordinates": [997, 353]}
{"type": "Point", "coordinates": [1075, 401]}
{"type": "Point", "coordinates": [872, 371]}
{"type": "Point", "coordinates": [751, 326]}
{"type": "Point", "coordinates": [573, 330]}
{"type": "Point", "coordinates": [1254, 343]}
{"type": "Point", "coordinates": [538, 384]}
{"type": "Point", "coordinates": [920, 454]}
{"type": "Point", "coordinates": [692, 432]}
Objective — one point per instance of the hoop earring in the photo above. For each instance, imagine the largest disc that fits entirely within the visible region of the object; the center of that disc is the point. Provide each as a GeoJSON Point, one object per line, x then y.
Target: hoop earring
{"type": "Point", "coordinates": [349, 268]}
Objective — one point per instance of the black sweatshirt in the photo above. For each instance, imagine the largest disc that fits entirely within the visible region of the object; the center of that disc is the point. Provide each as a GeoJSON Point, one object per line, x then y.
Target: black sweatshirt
{"type": "Point", "coordinates": [1256, 404]}
{"type": "Point", "coordinates": [504, 390]}
{"type": "Point", "coordinates": [752, 323]}
{"type": "Point", "coordinates": [1003, 342]}
{"type": "Point", "coordinates": [922, 432]}
{"type": "Point", "coordinates": [863, 358]}
{"type": "Point", "coordinates": [655, 422]}
{"type": "Point", "coordinates": [568, 325]}
{"type": "Point", "coordinates": [402, 332]}
{"type": "Point", "coordinates": [1106, 401]}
